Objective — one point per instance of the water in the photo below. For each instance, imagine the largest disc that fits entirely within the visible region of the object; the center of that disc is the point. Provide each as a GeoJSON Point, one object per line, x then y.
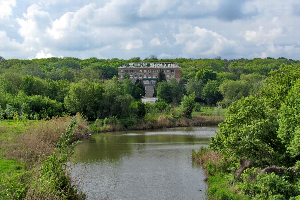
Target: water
{"type": "Point", "coordinates": [142, 164]}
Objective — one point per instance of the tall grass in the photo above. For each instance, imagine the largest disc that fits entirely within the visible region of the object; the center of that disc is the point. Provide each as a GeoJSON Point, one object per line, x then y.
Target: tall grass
{"type": "Point", "coordinates": [41, 151]}
{"type": "Point", "coordinates": [219, 180]}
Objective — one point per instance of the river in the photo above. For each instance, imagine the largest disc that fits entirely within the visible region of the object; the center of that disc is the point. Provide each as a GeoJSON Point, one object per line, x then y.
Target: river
{"type": "Point", "coordinates": [146, 165]}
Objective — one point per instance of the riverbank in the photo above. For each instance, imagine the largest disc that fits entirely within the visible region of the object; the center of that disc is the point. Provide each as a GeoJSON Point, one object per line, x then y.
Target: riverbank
{"type": "Point", "coordinates": [154, 122]}
{"type": "Point", "coordinates": [26, 145]}
{"type": "Point", "coordinates": [34, 155]}
{"type": "Point", "coordinates": [220, 175]}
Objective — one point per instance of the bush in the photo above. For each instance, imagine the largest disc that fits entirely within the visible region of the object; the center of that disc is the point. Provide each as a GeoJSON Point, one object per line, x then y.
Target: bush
{"type": "Point", "coordinates": [267, 186]}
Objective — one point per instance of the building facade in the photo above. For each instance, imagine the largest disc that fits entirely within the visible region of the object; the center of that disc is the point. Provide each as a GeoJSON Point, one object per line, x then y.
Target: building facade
{"type": "Point", "coordinates": [148, 72]}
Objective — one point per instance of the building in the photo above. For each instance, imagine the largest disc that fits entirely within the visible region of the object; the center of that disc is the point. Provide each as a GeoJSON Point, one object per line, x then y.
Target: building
{"type": "Point", "coordinates": [148, 72]}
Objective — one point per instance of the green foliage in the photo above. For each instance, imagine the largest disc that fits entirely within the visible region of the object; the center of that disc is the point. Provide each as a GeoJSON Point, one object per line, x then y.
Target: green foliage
{"type": "Point", "coordinates": [233, 91]}
{"type": "Point", "coordinates": [289, 120]}
{"type": "Point", "coordinates": [220, 187]}
{"type": "Point", "coordinates": [32, 86]}
{"type": "Point", "coordinates": [161, 77]}
{"type": "Point", "coordinates": [141, 109]}
{"type": "Point", "coordinates": [195, 86]}
{"type": "Point", "coordinates": [14, 186]}
{"type": "Point", "coordinates": [171, 91]}
{"type": "Point", "coordinates": [85, 97]}
{"type": "Point", "coordinates": [250, 131]}
{"type": "Point", "coordinates": [10, 82]}
{"type": "Point", "coordinates": [267, 186]}
{"type": "Point", "coordinates": [197, 107]}
{"type": "Point", "coordinates": [136, 92]}
{"type": "Point", "coordinates": [211, 93]}
{"type": "Point", "coordinates": [140, 85]}
{"type": "Point", "coordinates": [164, 91]}
{"type": "Point", "coordinates": [187, 105]}
{"type": "Point", "coordinates": [161, 105]}
{"type": "Point", "coordinates": [205, 75]}
{"type": "Point", "coordinates": [53, 181]}
{"type": "Point", "coordinates": [279, 83]}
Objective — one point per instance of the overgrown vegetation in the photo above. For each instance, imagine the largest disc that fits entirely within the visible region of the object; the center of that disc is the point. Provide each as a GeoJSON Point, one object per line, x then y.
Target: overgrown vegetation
{"type": "Point", "coordinates": [33, 163]}
{"type": "Point", "coordinates": [43, 88]}
{"type": "Point", "coordinates": [259, 143]}
{"type": "Point", "coordinates": [261, 124]}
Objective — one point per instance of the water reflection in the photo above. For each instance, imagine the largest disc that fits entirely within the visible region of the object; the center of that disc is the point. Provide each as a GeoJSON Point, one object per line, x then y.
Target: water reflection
{"type": "Point", "coordinates": [142, 164]}
{"type": "Point", "coordinates": [113, 146]}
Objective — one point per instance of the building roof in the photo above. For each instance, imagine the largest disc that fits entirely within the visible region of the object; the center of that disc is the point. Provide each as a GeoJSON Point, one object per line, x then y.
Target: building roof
{"type": "Point", "coordinates": [150, 65]}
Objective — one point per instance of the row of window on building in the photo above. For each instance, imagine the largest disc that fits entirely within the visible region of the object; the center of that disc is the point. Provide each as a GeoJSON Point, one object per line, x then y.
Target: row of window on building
{"type": "Point", "coordinates": [145, 71]}
{"type": "Point", "coordinates": [149, 76]}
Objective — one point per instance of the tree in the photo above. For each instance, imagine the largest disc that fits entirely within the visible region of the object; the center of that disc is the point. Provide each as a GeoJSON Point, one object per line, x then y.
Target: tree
{"type": "Point", "coordinates": [85, 97]}
{"type": "Point", "coordinates": [187, 105]}
{"type": "Point", "coordinates": [132, 89]}
{"type": "Point", "coordinates": [164, 91]}
{"type": "Point", "coordinates": [233, 91]}
{"type": "Point", "coordinates": [32, 85]}
{"type": "Point", "coordinates": [2, 60]}
{"type": "Point", "coordinates": [278, 84]}
{"type": "Point", "coordinates": [250, 131]}
{"type": "Point", "coordinates": [177, 90]}
{"type": "Point", "coordinates": [289, 121]}
{"type": "Point", "coordinates": [205, 75]}
{"type": "Point", "coordinates": [10, 82]}
{"type": "Point", "coordinates": [195, 86]}
{"type": "Point", "coordinates": [211, 93]}
{"type": "Point", "coordinates": [161, 76]}
{"type": "Point", "coordinates": [115, 101]}
{"type": "Point", "coordinates": [139, 83]}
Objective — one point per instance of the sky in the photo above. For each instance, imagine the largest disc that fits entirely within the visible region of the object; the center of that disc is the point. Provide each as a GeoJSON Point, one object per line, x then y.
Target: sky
{"type": "Point", "coordinates": [230, 29]}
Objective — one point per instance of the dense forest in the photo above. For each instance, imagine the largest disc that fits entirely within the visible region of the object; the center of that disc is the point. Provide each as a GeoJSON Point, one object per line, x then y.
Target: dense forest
{"type": "Point", "coordinates": [43, 88]}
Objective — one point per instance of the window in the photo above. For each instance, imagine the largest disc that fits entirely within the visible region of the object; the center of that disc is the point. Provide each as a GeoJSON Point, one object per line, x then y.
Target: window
{"type": "Point", "coordinates": [154, 70]}
{"type": "Point", "coordinates": [168, 76]}
{"type": "Point", "coordinates": [135, 76]}
{"type": "Point", "coordinates": [145, 76]}
{"type": "Point", "coordinates": [168, 71]}
{"type": "Point", "coordinates": [131, 76]}
{"type": "Point", "coordinates": [121, 76]}
{"type": "Point", "coordinates": [141, 76]}
{"type": "Point", "coordinates": [126, 71]}
{"type": "Point", "coordinates": [172, 70]}
{"type": "Point", "coordinates": [141, 71]}
{"type": "Point", "coordinates": [122, 70]}
{"type": "Point", "coordinates": [131, 71]}
{"type": "Point", "coordinates": [172, 76]}
{"type": "Point", "coordinates": [145, 71]}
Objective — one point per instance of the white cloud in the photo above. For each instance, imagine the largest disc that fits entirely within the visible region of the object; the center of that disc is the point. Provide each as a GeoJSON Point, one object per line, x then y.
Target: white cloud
{"type": "Point", "coordinates": [41, 54]}
{"type": "Point", "coordinates": [131, 28]}
{"type": "Point", "coordinates": [263, 35]}
{"type": "Point", "coordinates": [6, 7]}
{"type": "Point", "coordinates": [155, 42]}
{"type": "Point", "coordinates": [33, 27]}
{"type": "Point", "coordinates": [7, 44]}
{"type": "Point", "coordinates": [204, 43]}
{"type": "Point", "coordinates": [135, 44]}
{"type": "Point", "coordinates": [155, 8]}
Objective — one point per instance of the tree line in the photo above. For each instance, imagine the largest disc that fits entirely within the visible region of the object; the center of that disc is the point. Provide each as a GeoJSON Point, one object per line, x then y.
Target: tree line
{"type": "Point", "coordinates": [42, 88]}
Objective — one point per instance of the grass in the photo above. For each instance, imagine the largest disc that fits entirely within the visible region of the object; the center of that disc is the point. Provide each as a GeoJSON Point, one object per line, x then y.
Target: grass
{"type": "Point", "coordinates": [221, 182]}
{"type": "Point", "coordinates": [29, 149]}
{"type": "Point", "coordinates": [9, 166]}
